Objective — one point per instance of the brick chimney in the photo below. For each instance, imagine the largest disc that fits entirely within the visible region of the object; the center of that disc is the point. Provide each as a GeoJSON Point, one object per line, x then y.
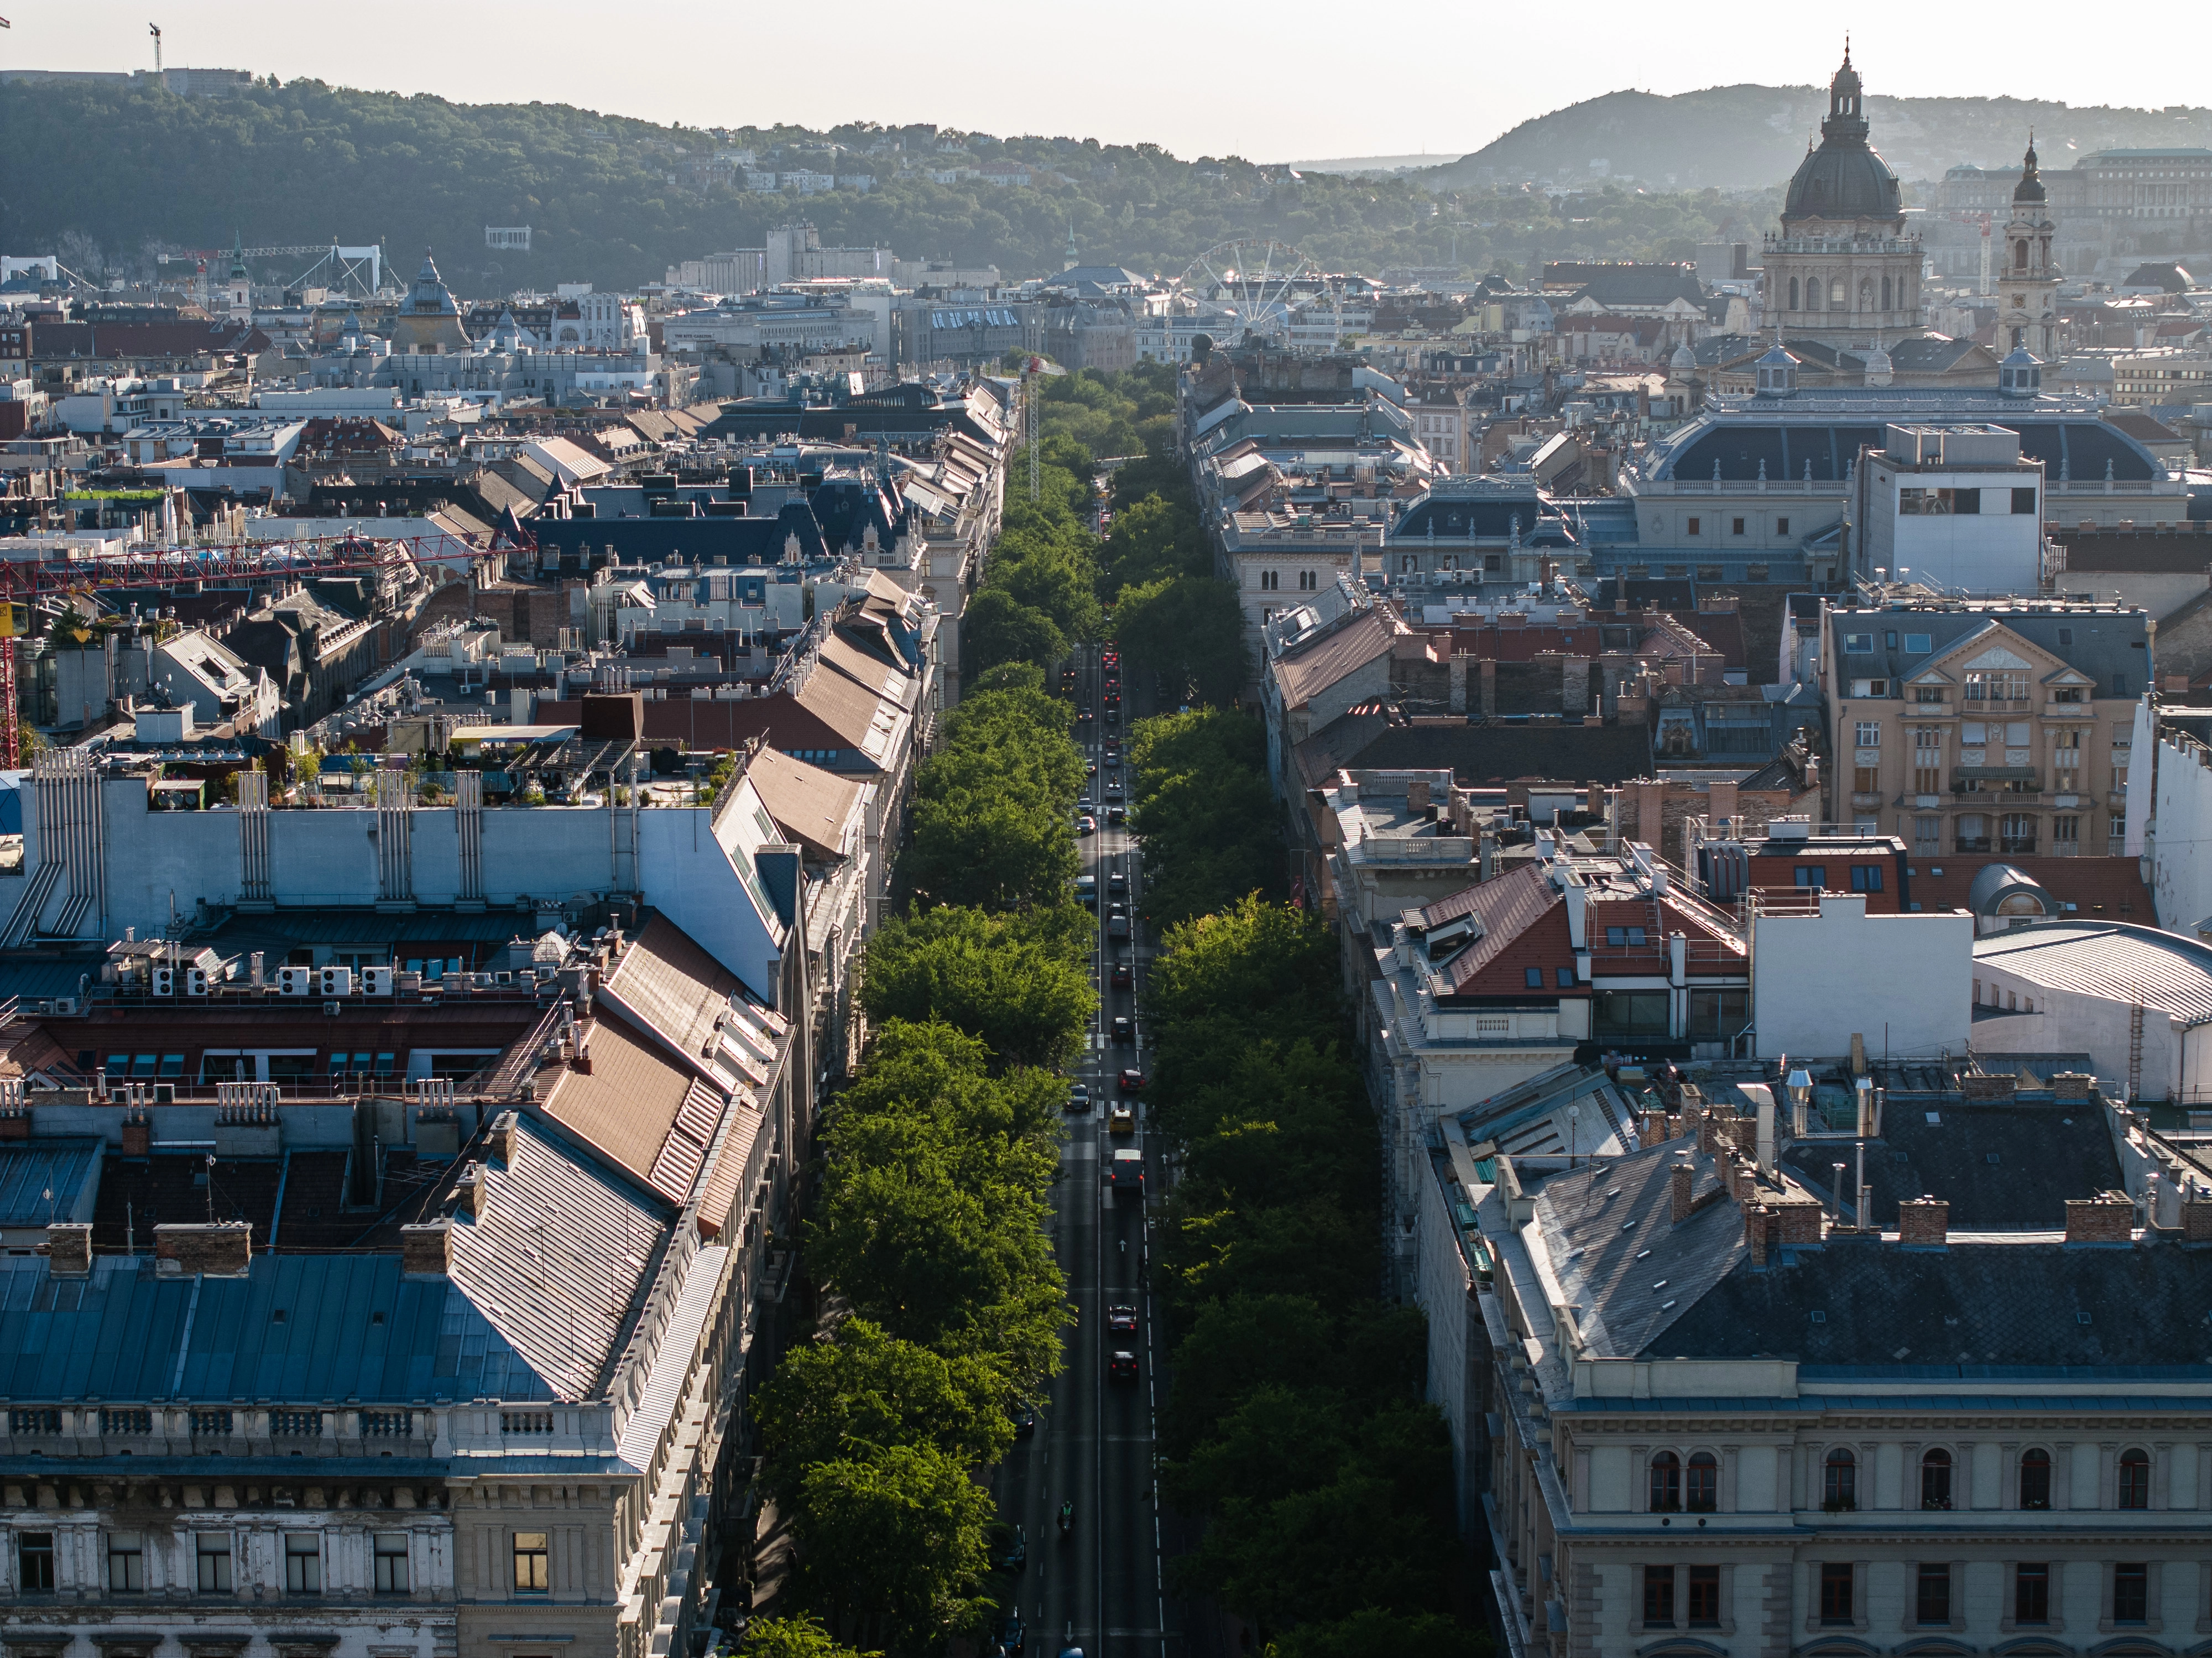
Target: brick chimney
{"type": "Point", "coordinates": [502, 1138]}
{"type": "Point", "coordinates": [138, 1134]}
{"type": "Point", "coordinates": [427, 1250]}
{"type": "Point", "coordinates": [1796, 1222]}
{"type": "Point", "coordinates": [2197, 1219]}
{"type": "Point", "coordinates": [1679, 1181]}
{"type": "Point", "coordinates": [472, 1196]}
{"type": "Point", "coordinates": [1924, 1224]}
{"type": "Point", "coordinates": [222, 1250]}
{"type": "Point", "coordinates": [68, 1249]}
{"type": "Point", "coordinates": [1757, 1227]}
{"type": "Point", "coordinates": [2108, 1217]}
{"type": "Point", "coordinates": [1417, 795]}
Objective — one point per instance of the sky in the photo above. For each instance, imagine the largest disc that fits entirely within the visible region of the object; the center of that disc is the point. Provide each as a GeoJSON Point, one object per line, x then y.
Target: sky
{"type": "Point", "coordinates": [1296, 81]}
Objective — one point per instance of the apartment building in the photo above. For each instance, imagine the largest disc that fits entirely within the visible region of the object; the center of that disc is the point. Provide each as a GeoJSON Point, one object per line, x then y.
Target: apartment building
{"type": "Point", "coordinates": [2002, 726]}
{"type": "Point", "coordinates": [1734, 1391]}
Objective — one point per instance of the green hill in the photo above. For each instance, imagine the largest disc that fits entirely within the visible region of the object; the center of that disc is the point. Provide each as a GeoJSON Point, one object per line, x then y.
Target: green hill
{"type": "Point", "coordinates": [1748, 136]}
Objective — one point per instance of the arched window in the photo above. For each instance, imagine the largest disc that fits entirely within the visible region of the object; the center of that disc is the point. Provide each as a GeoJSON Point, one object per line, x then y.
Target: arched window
{"type": "Point", "coordinates": [2020, 254]}
{"type": "Point", "coordinates": [1935, 1479]}
{"type": "Point", "coordinates": [1666, 1483]}
{"type": "Point", "coordinates": [1704, 1492]}
{"type": "Point", "coordinates": [2135, 1479]}
{"type": "Point", "coordinates": [1839, 1481]}
{"type": "Point", "coordinates": [1812, 293]}
{"type": "Point", "coordinates": [1793, 293]}
{"type": "Point", "coordinates": [2035, 1480]}
{"type": "Point", "coordinates": [1884, 292]}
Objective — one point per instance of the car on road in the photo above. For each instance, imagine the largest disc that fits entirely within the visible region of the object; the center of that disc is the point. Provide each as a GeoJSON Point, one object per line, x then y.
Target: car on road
{"type": "Point", "coordinates": [1116, 815]}
{"type": "Point", "coordinates": [1121, 978]}
{"type": "Point", "coordinates": [1120, 1118]}
{"type": "Point", "coordinates": [1127, 1174]}
{"type": "Point", "coordinates": [1117, 926]}
{"type": "Point", "coordinates": [1012, 1636]}
{"type": "Point", "coordinates": [1025, 1421]}
{"type": "Point", "coordinates": [1122, 1367]}
{"type": "Point", "coordinates": [1113, 788]}
{"type": "Point", "coordinates": [1079, 1098]}
{"type": "Point", "coordinates": [1091, 770]}
{"type": "Point", "coordinates": [1122, 1321]}
{"type": "Point", "coordinates": [1086, 824]}
{"type": "Point", "coordinates": [1117, 884]}
{"type": "Point", "coordinates": [1124, 1029]}
{"type": "Point", "coordinates": [1009, 1552]}
{"type": "Point", "coordinates": [1133, 1080]}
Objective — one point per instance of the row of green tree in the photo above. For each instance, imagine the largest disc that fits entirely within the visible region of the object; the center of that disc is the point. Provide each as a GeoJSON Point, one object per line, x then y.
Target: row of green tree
{"type": "Point", "coordinates": [945, 1305]}
{"type": "Point", "coordinates": [1295, 1427]}
{"type": "Point", "coordinates": [1202, 811]}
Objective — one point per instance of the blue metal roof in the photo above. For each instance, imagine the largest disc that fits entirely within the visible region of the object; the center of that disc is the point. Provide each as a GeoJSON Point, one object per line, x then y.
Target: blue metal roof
{"type": "Point", "coordinates": [31, 1169]}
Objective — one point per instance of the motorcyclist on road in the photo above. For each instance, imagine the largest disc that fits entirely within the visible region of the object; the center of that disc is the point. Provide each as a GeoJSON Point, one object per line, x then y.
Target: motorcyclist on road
{"type": "Point", "coordinates": [1067, 1518]}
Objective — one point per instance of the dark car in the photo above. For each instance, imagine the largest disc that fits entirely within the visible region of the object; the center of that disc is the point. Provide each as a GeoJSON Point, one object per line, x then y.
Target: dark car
{"type": "Point", "coordinates": [1121, 978]}
{"type": "Point", "coordinates": [1078, 1098]}
{"type": "Point", "coordinates": [1122, 1321]}
{"type": "Point", "coordinates": [1133, 1080]}
{"type": "Point", "coordinates": [1122, 1367]}
{"type": "Point", "coordinates": [1118, 886]}
{"type": "Point", "coordinates": [1010, 1548]}
{"type": "Point", "coordinates": [1011, 1635]}
{"type": "Point", "coordinates": [1117, 814]}
{"type": "Point", "coordinates": [1124, 1031]}
{"type": "Point", "coordinates": [1025, 1421]}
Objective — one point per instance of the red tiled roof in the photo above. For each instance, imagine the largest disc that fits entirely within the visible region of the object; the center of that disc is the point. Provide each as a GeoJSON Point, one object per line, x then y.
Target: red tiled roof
{"type": "Point", "coordinates": [2103, 888]}
{"type": "Point", "coordinates": [1524, 922]}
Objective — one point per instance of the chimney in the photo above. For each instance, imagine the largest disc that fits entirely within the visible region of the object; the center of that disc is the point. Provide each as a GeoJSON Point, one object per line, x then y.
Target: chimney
{"type": "Point", "coordinates": [1858, 1054]}
{"type": "Point", "coordinates": [502, 1138]}
{"type": "Point", "coordinates": [2197, 1218]}
{"type": "Point", "coordinates": [1923, 1223]}
{"type": "Point", "coordinates": [2108, 1217]}
{"type": "Point", "coordinates": [68, 1249]}
{"type": "Point", "coordinates": [427, 1250]}
{"type": "Point", "coordinates": [254, 970]}
{"type": "Point", "coordinates": [1757, 1222]}
{"type": "Point", "coordinates": [1763, 1097]}
{"type": "Point", "coordinates": [472, 1195]}
{"type": "Point", "coordinates": [1417, 796]}
{"type": "Point", "coordinates": [137, 1133]}
{"type": "Point", "coordinates": [1796, 1222]}
{"type": "Point", "coordinates": [224, 1249]}
{"type": "Point", "coordinates": [1680, 1181]}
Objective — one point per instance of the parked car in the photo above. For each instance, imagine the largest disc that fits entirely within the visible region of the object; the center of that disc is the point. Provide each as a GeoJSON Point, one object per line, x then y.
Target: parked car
{"type": "Point", "coordinates": [1125, 1031]}
{"type": "Point", "coordinates": [1009, 1552]}
{"type": "Point", "coordinates": [1120, 1118]}
{"type": "Point", "coordinates": [1133, 1080]}
{"type": "Point", "coordinates": [1025, 1421]}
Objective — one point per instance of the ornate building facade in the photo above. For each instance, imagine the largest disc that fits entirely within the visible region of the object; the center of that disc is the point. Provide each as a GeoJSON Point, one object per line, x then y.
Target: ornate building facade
{"type": "Point", "coordinates": [2027, 286]}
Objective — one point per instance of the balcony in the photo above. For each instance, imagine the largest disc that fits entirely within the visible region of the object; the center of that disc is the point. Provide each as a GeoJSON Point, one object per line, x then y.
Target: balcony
{"type": "Point", "coordinates": [1866, 801]}
{"type": "Point", "coordinates": [2055, 710]}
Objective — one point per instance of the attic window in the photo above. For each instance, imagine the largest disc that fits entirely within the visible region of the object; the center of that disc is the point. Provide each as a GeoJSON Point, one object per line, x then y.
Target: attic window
{"type": "Point", "coordinates": [1818, 1317]}
{"type": "Point", "coordinates": [2080, 1318]}
{"type": "Point", "coordinates": [1617, 936]}
{"type": "Point", "coordinates": [1534, 978]}
{"type": "Point", "coordinates": [277, 1316]}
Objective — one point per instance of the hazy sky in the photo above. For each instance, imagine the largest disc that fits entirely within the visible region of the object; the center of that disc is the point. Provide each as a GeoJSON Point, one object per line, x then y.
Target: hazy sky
{"type": "Point", "coordinates": [1291, 81]}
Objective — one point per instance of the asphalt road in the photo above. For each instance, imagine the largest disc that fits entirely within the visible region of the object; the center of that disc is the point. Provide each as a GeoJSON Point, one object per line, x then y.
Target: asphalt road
{"type": "Point", "coordinates": [1099, 1587]}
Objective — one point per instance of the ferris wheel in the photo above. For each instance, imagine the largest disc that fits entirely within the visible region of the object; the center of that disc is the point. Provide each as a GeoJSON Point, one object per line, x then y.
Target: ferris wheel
{"type": "Point", "coordinates": [1259, 281]}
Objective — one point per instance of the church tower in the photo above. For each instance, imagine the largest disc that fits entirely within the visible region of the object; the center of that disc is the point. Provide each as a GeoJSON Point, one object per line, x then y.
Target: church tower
{"type": "Point", "coordinates": [2027, 283]}
{"type": "Point", "coordinates": [239, 290]}
{"type": "Point", "coordinates": [1843, 273]}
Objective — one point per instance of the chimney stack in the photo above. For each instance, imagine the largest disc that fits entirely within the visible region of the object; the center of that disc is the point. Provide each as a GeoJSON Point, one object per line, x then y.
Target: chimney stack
{"type": "Point", "coordinates": [1681, 1179]}
{"type": "Point", "coordinates": [502, 1138]}
{"type": "Point", "coordinates": [472, 1195]}
{"type": "Point", "coordinates": [2108, 1217]}
{"type": "Point", "coordinates": [222, 1250]}
{"type": "Point", "coordinates": [1923, 1223]}
{"type": "Point", "coordinates": [69, 1249]}
{"type": "Point", "coordinates": [1763, 1097]}
{"type": "Point", "coordinates": [1758, 1220]}
{"type": "Point", "coordinates": [427, 1250]}
{"type": "Point", "coordinates": [2196, 1219]}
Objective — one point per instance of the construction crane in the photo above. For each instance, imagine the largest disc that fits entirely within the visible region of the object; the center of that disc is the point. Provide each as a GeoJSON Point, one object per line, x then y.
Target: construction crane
{"type": "Point", "coordinates": [345, 261]}
{"type": "Point", "coordinates": [26, 583]}
{"type": "Point", "coordinates": [155, 29]}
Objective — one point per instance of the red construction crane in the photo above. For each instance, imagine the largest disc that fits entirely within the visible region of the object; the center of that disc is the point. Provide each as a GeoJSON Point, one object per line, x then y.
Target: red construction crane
{"type": "Point", "coordinates": [25, 583]}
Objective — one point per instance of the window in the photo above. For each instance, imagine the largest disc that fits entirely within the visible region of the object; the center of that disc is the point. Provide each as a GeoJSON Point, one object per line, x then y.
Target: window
{"type": "Point", "coordinates": [1566, 977]}
{"type": "Point", "coordinates": [1718, 1015]}
{"type": "Point", "coordinates": [2132, 1594]}
{"type": "Point", "coordinates": [1758, 572]}
{"type": "Point", "coordinates": [2031, 1594]}
{"type": "Point", "coordinates": [1704, 1597]}
{"type": "Point", "coordinates": [2023, 501]}
{"type": "Point", "coordinates": [1705, 1483]}
{"type": "Point", "coordinates": [392, 1563]}
{"type": "Point", "coordinates": [212, 1551]}
{"type": "Point", "coordinates": [1866, 779]}
{"type": "Point", "coordinates": [1308, 581]}
{"type": "Point", "coordinates": [1866, 877]}
{"type": "Point", "coordinates": [1811, 875]}
{"type": "Point", "coordinates": [1735, 526]}
{"type": "Point", "coordinates": [1917, 644]}
{"type": "Point", "coordinates": [1928, 696]}
{"type": "Point", "coordinates": [1266, 581]}
{"type": "Point", "coordinates": [1690, 527]}
{"type": "Point", "coordinates": [126, 1562]}
{"type": "Point", "coordinates": [1793, 293]}
{"type": "Point", "coordinates": [1781, 528]}
{"type": "Point", "coordinates": [1996, 684]}
{"type": "Point", "coordinates": [1666, 1483]}
{"type": "Point", "coordinates": [303, 1563]}
{"type": "Point", "coordinates": [1658, 1597]}
{"type": "Point", "coordinates": [1868, 733]}
{"type": "Point", "coordinates": [2066, 834]}
{"type": "Point", "coordinates": [1835, 1592]}
{"type": "Point", "coordinates": [1935, 1479]}
{"type": "Point", "coordinates": [529, 1576]}
{"type": "Point", "coordinates": [1620, 937]}
{"type": "Point", "coordinates": [1858, 644]}
{"type": "Point", "coordinates": [1932, 1604]}
{"type": "Point", "coordinates": [1534, 978]}
{"type": "Point", "coordinates": [1973, 832]}
{"type": "Point", "coordinates": [1622, 1015]}
{"type": "Point", "coordinates": [2135, 1479]}
{"type": "Point", "coordinates": [2016, 832]}
{"type": "Point", "coordinates": [1927, 834]}
{"type": "Point", "coordinates": [2035, 1480]}
{"type": "Point", "coordinates": [2118, 827]}
{"type": "Point", "coordinates": [34, 1560]}
{"type": "Point", "coordinates": [1839, 1482]}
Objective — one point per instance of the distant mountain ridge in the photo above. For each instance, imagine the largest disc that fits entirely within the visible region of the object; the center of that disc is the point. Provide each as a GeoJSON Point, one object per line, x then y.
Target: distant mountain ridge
{"type": "Point", "coordinates": [1743, 137]}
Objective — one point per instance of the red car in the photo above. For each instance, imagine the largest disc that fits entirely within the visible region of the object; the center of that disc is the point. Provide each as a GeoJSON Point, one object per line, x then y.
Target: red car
{"type": "Point", "coordinates": [1121, 977]}
{"type": "Point", "coordinates": [1133, 1080]}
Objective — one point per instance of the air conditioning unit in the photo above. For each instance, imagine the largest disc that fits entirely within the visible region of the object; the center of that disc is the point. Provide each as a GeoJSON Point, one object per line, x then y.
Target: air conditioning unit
{"type": "Point", "coordinates": [376, 981]}
{"type": "Point", "coordinates": [337, 981]}
{"type": "Point", "coordinates": [64, 1007]}
{"type": "Point", "coordinates": [295, 980]}
{"type": "Point", "coordinates": [330, 1010]}
{"type": "Point", "coordinates": [165, 981]}
{"type": "Point", "coordinates": [195, 981]}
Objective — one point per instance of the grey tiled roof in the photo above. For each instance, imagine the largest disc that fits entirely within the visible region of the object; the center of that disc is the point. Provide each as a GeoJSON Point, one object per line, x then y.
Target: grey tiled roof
{"type": "Point", "coordinates": [1999, 1166]}
{"type": "Point", "coordinates": [2110, 646]}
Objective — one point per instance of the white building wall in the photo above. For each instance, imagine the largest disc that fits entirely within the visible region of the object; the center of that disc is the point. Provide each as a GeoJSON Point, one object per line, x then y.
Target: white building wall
{"type": "Point", "coordinates": [1906, 982]}
{"type": "Point", "coordinates": [2073, 1022]}
{"type": "Point", "coordinates": [2178, 833]}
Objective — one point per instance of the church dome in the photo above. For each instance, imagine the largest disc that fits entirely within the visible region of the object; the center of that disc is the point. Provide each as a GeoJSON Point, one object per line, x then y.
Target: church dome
{"type": "Point", "coordinates": [1843, 179]}
{"type": "Point", "coordinates": [2029, 189]}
